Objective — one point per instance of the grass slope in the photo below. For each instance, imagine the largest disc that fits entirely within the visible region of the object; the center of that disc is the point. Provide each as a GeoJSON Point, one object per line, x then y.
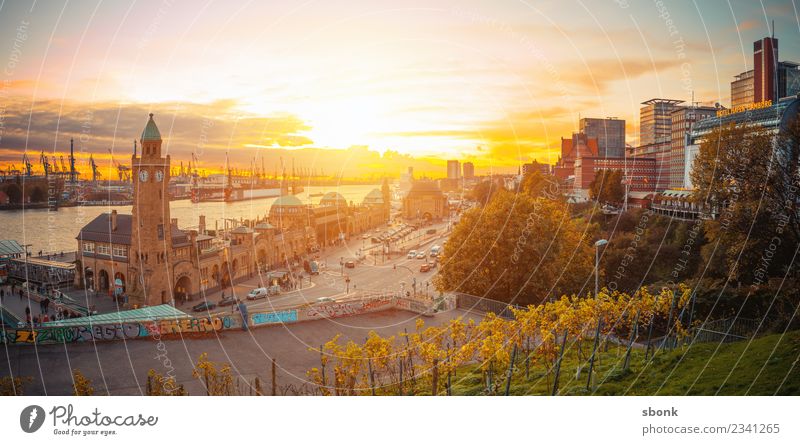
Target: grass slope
{"type": "Point", "coordinates": [701, 369]}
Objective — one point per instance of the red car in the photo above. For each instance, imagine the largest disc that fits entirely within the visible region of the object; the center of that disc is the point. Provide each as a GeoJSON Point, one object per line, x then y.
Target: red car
{"type": "Point", "coordinates": [425, 267]}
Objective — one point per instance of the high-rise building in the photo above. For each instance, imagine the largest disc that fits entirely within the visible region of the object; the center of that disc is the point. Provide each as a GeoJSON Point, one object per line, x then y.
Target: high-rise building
{"type": "Point", "coordinates": [609, 132]}
{"type": "Point", "coordinates": [742, 89]}
{"type": "Point", "coordinates": [655, 121]}
{"type": "Point", "coordinates": [765, 64]}
{"type": "Point", "coordinates": [769, 80]}
{"type": "Point", "coordinates": [683, 119]}
{"type": "Point", "coordinates": [453, 169]}
{"type": "Point", "coordinates": [469, 170]}
{"type": "Point", "coordinates": [788, 79]}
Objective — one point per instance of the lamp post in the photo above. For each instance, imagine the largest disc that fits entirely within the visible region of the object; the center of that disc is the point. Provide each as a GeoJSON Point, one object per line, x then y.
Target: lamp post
{"type": "Point", "coordinates": [597, 246]}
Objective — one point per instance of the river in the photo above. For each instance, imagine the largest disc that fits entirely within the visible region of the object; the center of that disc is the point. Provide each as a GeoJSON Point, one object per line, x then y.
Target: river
{"type": "Point", "coordinates": [56, 231]}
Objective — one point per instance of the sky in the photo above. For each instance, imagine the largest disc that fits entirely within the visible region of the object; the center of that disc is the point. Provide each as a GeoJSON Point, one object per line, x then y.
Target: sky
{"type": "Point", "coordinates": [360, 87]}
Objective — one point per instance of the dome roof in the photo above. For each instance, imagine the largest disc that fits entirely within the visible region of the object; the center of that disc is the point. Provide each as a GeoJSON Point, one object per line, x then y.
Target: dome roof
{"type": "Point", "coordinates": [374, 197]}
{"type": "Point", "coordinates": [264, 226]}
{"type": "Point", "coordinates": [151, 132]}
{"type": "Point", "coordinates": [287, 201]}
{"type": "Point", "coordinates": [333, 198]}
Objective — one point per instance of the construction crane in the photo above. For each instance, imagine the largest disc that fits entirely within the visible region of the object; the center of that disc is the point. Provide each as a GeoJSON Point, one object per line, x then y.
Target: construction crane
{"type": "Point", "coordinates": [64, 168]}
{"type": "Point", "coordinates": [95, 170]}
{"type": "Point", "coordinates": [27, 164]}
{"type": "Point", "coordinates": [45, 164]}
{"type": "Point", "coordinates": [123, 171]}
{"type": "Point", "coordinates": [55, 167]}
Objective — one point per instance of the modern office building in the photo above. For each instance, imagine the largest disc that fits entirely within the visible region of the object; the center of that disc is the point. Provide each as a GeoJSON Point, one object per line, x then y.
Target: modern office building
{"type": "Point", "coordinates": [655, 120]}
{"type": "Point", "coordinates": [683, 119]}
{"type": "Point", "coordinates": [453, 169]}
{"type": "Point", "coordinates": [769, 80]}
{"type": "Point", "coordinates": [469, 170]}
{"type": "Point", "coordinates": [765, 64]}
{"type": "Point", "coordinates": [773, 118]}
{"type": "Point", "coordinates": [742, 89]}
{"type": "Point", "coordinates": [788, 79]}
{"type": "Point", "coordinates": [609, 132]}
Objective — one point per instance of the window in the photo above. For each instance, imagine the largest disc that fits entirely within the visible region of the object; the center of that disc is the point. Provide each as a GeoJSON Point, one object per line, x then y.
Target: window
{"type": "Point", "coordinates": [88, 247]}
{"type": "Point", "coordinates": [102, 249]}
{"type": "Point", "coordinates": [161, 231]}
{"type": "Point", "coordinates": [120, 251]}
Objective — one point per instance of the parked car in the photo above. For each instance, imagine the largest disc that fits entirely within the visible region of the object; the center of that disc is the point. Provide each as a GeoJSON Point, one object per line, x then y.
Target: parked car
{"type": "Point", "coordinates": [412, 254]}
{"type": "Point", "coordinates": [204, 306]}
{"type": "Point", "coordinates": [226, 301]}
{"type": "Point", "coordinates": [425, 267]}
{"type": "Point", "coordinates": [325, 300]}
{"type": "Point", "coordinates": [421, 255]}
{"type": "Point", "coordinates": [258, 293]}
{"type": "Point", "coordinates": [350, 264]}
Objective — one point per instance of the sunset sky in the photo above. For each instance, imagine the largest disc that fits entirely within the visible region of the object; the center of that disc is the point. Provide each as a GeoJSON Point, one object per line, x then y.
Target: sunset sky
{"type": "Point", "coordinates": [496, 82]}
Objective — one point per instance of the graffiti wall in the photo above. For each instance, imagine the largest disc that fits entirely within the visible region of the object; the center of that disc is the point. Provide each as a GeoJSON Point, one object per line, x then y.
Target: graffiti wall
{"type": "Point", "coordinates": [265, 318]}
{"type": "Point", "coordinates": [130, 331]}
{"type": "Point", "coordinates": [116, 331]}
{"type": "Point", "coordinates": [343, 309]}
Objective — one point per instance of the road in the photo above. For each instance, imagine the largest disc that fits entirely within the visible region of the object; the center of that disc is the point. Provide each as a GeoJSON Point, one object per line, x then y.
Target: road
{"type": "Point", "coordinates": [377, 274]}
{"type": "Point", "coordinates": [120, 367]}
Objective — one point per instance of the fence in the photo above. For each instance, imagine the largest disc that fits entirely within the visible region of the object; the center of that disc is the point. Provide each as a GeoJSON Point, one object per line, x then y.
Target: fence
{"type": "Point", "coordinates": [475, 303]}
{"type": "Point", "coordinates": [726, 330]}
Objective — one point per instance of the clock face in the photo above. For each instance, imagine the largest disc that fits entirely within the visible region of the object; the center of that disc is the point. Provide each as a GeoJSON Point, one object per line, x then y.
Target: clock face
{"type": "Point", "coordinates": [143, 175]}
{"type": "Point", "coordinates": [159, 175]}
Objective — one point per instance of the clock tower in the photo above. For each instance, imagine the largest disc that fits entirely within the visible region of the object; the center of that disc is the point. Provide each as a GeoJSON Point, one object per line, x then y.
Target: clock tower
{"type": "Point", "coordinates": [150, 254]}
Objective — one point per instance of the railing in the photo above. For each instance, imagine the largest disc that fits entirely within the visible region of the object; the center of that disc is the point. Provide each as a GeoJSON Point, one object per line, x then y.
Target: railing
{"type": "Point", "coordinates": [475, 303]}
{"type": "Point", "coordinates": [726, 330]}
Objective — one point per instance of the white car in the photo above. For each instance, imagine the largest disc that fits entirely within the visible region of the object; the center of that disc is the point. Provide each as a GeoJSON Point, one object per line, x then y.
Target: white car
{"type": "Point", "coordinates": [412, 254]}
{"type": "Point", "coordinates": [325, 300]}
{"type": "Point", "coordinates": [421, 255]}
{"type": "Point", "coordinates": [258, 293]}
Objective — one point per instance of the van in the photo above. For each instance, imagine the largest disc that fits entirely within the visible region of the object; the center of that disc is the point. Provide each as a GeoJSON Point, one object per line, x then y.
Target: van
{"type": "Point", "coordinates": [435, 251]}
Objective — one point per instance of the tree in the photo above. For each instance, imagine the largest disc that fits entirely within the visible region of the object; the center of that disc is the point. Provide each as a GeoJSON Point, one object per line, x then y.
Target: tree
{"type": "Point", "coordinates": [485, 190]}
{"type": "Point", "coordinates": [536, 184]}
{"type": "Point", "coordinates": [518, 249]}
{"type": "Point", "coordinates": [749, 178]}
{"type": "Point", "coordinates": [607, 186]}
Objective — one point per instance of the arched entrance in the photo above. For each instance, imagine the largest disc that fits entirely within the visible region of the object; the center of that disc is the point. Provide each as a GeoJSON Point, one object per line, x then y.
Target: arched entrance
{"type": "Point", "coordinates": [183, 288]}
{"type": "Point", "coordinates": [88, 278]}
{"type": "Point", "coordinates": [103, 282]}
{"type": "Point", "coordinates": [225, 281]}
{"type": "Point", "coordinates": [215, 275]}
{"type": "Point", "coordinates": [427, 216]}
{"type": "Point", "coordinates": [119, 280]}
{"type": "Point", "coordinates": [261, 260]}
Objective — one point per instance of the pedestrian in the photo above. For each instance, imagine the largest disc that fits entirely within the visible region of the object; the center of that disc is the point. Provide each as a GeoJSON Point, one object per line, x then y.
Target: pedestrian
{"type": "Point", "coordinates": [47, 304]}
{"type": "Point", "coordinates": [2, 294]}
{"type": "Point", "coordinates": [45, 318]}
{"type": "Point", "coordinates": [20, 295]}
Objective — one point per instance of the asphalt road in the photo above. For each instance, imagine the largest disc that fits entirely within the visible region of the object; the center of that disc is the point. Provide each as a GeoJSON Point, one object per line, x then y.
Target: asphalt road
{"type": "Point", "coordinates": [121, 367]}
{"type": "Point", "coordinates": [379, 274]}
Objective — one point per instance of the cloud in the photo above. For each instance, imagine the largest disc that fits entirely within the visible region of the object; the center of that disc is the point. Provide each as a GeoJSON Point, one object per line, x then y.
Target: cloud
{"type": "Point", "coordinates": [204, 129]}
{"type": "Point", "coordinates": [599, 74]}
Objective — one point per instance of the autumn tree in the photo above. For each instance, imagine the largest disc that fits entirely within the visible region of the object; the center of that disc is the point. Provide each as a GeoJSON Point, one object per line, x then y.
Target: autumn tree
{"type": "Point", "coordinates": [518, 249]}
{"type": "Point", "coordinates": [485, 190]}
{"type": "Point", "coordinates": [607, 186]}
{"type": "Point", "coordinates": [749, 179]}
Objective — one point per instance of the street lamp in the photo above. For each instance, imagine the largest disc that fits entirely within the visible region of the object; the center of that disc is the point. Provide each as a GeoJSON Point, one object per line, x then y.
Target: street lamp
{"type": "Point", "coordinates": [597, 246]}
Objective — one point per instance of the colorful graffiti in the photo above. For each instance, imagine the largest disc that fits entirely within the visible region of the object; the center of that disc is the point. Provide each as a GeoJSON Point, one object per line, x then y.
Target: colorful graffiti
{"type": "Point", "coordinates": [116, 331]}
{"type": "Point", "coordinates": [332, 310]}
{"type": "Point", "coordinates": [275, 317]}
